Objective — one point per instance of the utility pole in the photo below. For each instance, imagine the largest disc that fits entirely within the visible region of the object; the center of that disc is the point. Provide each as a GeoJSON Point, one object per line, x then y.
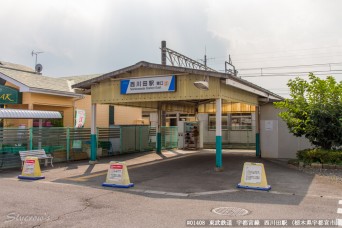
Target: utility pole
{"type": "Point", "coordinates": [205, 60]}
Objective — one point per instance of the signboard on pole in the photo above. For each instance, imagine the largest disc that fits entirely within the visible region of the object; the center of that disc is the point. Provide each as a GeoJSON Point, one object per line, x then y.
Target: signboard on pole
{"type": "Point", "coordinates": [148, 85]}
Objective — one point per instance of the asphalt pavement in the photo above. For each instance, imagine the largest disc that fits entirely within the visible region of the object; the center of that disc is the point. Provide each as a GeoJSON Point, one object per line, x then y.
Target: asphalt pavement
{"type": "Point", "coordinates": [171, 190]}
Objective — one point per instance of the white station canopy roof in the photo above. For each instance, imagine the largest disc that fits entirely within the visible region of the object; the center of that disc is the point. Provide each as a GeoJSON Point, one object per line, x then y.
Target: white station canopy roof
{"type": "Point", "coordinates": [28, 114]}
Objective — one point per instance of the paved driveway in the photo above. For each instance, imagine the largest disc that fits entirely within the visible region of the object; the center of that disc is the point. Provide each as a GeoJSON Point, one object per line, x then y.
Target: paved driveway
{"type": "Point", "coordinates": [169, 190]}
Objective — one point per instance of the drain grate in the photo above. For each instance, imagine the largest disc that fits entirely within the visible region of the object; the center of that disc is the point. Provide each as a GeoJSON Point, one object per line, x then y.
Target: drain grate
{"type": "Point", "coordinates": [230, 211]}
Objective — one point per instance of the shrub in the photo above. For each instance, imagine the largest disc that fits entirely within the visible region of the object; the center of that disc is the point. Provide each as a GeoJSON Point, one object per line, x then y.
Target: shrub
{"type": "Point", "coordinates": [309, 156]}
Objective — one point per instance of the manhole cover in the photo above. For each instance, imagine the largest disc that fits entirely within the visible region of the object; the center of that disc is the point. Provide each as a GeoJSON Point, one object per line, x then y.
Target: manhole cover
{"type": "Point", "coordinates": [230, 211]}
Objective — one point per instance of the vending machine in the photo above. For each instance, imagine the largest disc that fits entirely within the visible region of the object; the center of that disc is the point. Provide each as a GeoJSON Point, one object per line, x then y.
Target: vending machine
{"type": "Point", "coordinates": [186, 138]}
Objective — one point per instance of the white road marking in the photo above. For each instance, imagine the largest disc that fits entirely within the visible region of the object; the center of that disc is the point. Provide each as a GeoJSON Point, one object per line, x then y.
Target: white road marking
{"type": "Point", "coordinates": [339, 211]}
{"type": "Point", "coordinates": [214, 192]}
{"type": "Point", "coordinates": [155, 192]}
{"type": "Point", "coordinates": [339, 222]}
{"type": "Point", "coordinates": [166, 193]}
{"type": "Point", "coordinates": [176, 194]}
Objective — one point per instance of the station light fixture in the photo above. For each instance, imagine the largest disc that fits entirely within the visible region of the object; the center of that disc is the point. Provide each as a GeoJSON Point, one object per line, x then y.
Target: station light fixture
{"type": "Point", "coordinates": [203, 85]}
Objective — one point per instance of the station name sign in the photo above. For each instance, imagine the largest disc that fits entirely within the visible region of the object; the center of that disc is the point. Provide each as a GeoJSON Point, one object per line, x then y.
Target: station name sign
{"type": "Point", "coordinates": [148, 85]}
{"type": "Point", "coordinates": [9, 95]}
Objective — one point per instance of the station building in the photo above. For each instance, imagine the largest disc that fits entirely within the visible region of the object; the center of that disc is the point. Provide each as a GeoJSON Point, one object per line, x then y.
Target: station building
{"type": "Point", "coordinates": [34, 91]}
{"type": "Point", "coordinates": [245, 111]}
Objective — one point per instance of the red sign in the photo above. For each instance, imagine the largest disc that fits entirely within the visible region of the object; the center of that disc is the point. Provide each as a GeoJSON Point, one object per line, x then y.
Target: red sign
{"type": "Point", "coordinates": [30, 161]}
{"type": "Point", "coordinates": [116, 166]}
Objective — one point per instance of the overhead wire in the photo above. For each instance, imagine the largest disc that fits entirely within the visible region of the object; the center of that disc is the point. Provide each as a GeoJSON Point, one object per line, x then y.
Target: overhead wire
{"type": "Point", "coordinates": [300, 70]}
{"type": "Point", "coordinates": [293, 66]}
{"type": "Point", "coordinates": [277, 57]}
{"type": "Point", "coordinates": [293, 50]}
{"type": "Point", "coordinates": [280, 51]}
{"type": "Point", "coordinates": [292, 73]}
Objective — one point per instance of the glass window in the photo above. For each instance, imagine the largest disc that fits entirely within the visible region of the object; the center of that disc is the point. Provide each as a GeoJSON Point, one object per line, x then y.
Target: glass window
{"type": "Point", "coordinates": [233, 121]}
{"type": "Point", "coordinates": [212, 122]}
{"type": "Point", "coordinates": [241, 121]}
{"type": "Point", "coordinates": [49, 122]}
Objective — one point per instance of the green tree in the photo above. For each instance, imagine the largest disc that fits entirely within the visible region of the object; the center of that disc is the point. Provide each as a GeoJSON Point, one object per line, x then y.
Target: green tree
{"type": "Point", "coordinates": [314, 110]}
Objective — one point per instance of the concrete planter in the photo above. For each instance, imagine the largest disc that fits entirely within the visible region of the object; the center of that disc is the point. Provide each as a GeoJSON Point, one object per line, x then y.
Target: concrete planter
{"type": "Point", "coordinates": [316, 165]}
{"type": "Point", "coordinates": [329, 166]}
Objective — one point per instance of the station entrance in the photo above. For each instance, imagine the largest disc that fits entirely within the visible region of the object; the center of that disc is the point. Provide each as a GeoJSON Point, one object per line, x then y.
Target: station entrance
{"type": "Point", "coordinates": [172, 89]}
{"type": "Point", "coordinates": [238, 124]}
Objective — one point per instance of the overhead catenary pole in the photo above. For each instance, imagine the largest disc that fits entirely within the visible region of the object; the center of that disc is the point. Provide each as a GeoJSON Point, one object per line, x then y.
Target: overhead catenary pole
{"type": "Point", "coordinates": [159, 111]}
{"type": "Point", "coordinates": [163, 52]}
{"type": "Point", "coordinates": [178, 59]}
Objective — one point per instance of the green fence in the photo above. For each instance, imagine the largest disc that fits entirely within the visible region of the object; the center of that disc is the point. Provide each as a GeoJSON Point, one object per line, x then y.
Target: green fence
{"type": "Point", "coordinates": [13, 140]}
{"type": "Point", "coordinates": [70, 144]}
{"type": "Point", "coordinates": [169, 137]}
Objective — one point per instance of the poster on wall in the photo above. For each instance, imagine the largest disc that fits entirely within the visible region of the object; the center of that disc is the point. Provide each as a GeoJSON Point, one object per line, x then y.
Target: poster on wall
{"type": "Point", "coordinates": [80, 118]}
{"type": "Point", "coordinates": [79, 123]}
{"type": "Point", "coordinates": [268, 125]}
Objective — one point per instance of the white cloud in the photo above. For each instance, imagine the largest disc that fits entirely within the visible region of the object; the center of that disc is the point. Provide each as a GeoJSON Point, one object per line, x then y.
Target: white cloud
{"type": "Point", "coordinates": [83, 36]}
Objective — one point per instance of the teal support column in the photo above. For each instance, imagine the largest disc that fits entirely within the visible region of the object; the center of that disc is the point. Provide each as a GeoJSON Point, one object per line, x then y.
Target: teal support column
{"type": "Point", "coordinates": [93, 138]}
{"type": "Point", "coordinates": [93, 148]}
{"type": "Point", "coordinates": [218, 151]}
{"type": "Point", "coordinates": [159, 143]}
{"type": "Point", "coordinates": [31, 138]}
{"type": "Point", "coordinates": [257, 145]}
{"type": "Point", "coordinates": [68, 143]}
{"type": "Point", "coordinates": [218, 135]}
